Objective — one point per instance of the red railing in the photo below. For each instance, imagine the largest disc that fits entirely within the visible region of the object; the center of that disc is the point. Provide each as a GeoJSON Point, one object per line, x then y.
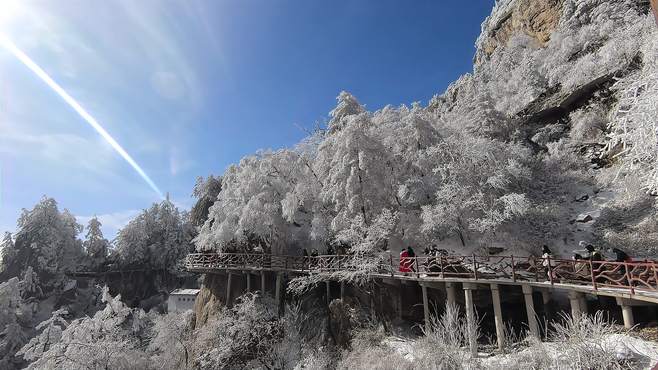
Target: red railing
{"type": "Point", "coordinates": [598, 274]}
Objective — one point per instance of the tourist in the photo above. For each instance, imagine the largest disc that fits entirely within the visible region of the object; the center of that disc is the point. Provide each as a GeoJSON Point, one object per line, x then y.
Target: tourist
{"type": "Point", "coordinates": [621, 256]}
{"type": "Point", "coordinates": [546, 256]}
{"type": "Point", "coordinates": [404, 261]}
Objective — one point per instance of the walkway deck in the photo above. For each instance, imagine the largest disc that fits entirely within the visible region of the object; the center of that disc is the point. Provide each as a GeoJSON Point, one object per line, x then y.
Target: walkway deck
{"type": "Point", "coordinates": [629, 280]}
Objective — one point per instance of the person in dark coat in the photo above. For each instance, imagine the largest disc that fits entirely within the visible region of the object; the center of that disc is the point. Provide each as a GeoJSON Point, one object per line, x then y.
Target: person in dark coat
{"type": "Point", "coordinates": [621, 256]}
{"type": "Point", "coordinates": [412, 258]}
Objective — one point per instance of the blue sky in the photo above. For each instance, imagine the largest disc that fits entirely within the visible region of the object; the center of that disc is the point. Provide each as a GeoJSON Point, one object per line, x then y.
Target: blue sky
{"type": "Point", "coordinates": [189, 87]}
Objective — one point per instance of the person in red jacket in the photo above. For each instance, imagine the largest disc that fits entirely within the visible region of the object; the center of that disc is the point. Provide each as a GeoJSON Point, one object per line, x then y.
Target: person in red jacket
{"type": "Point", "coordinates": [405, 261]}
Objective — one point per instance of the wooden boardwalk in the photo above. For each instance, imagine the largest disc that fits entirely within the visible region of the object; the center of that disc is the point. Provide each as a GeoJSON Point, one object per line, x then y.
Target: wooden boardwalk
{"type": "Point", "coordinates": [629, 283]}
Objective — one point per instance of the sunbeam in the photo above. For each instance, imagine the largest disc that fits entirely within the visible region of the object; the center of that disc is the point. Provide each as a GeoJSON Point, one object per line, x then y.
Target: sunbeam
{"type": "Point", "coordinates": [29, 63]}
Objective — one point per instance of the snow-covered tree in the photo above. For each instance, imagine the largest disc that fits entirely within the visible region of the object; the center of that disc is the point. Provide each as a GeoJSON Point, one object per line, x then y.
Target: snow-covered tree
{"type": "Point", "coordinates": [205, 191]}
{"type": "Point", "coordinates": [96, 246]}
{"type": "Point", "coordinates": [47, 241]}
{"type": "Point", "coordinates": [158, 238]}
{"type": "Point", "coordinates": [112, 339]}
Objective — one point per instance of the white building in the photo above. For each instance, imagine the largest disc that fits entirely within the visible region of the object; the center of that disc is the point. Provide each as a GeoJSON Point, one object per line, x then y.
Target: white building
{"type": "Point", "coordinates": [181, 300]}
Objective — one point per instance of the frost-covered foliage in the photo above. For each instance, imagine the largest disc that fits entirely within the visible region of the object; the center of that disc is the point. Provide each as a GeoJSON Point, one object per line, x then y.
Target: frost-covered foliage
{"type": "Point", "coordinates": [633, 130]}
{"type": "Point", "coordinates": [253, 335]}
{"type": "Point", "coordinates": [15, 321]}
{"type": "Point", "coordinates": [96, 246]}
{"type": "Point", "coordinates": [205, 191]}
{"type": "Point", "coordinates": [378, 183]}
{"type": "Point", "coordinates": [113, 338]}
{"type": "Point", "coordinates": [46, 241]}
{"type": "Point", "coordinates": [158, 238]}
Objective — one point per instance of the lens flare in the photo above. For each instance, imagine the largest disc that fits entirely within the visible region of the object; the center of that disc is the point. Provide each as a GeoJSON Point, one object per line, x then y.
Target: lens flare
{"type": "Point", "coordinates": [27, 61]}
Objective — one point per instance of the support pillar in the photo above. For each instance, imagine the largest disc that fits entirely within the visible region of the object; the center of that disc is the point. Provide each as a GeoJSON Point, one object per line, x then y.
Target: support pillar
{"type": "Point", "coordinates": [530, 310]}
{"type": "Point", "coordinates": [582, 300]}
{"type": "Point", "coordinates": [248, 282]}
{"type": "Point", "coordinates": [278, 296]}
{"type": "Point", "coordinates": [262, 283]}
{"type": "Point", "coordinates": [328, 293]}
{"type": "Point", "coordinates": [399, 303]}
{"type": "Point", "coordinates": [470, 319]}
{"type": "Point", "coordinates": [228, 289]}
{"type": "Point", "coordinates": [626, 312]}
{"type": "Point", "coordinates": [498, 316]}
{"type": "Point", "coordinates": [426, 308]}
{"type": "Point", "coordinates": [342, 290]}
{"type": "Point", "coordinates": [451, 293]}
{"type": "Point", "coordinates": [574, 301]}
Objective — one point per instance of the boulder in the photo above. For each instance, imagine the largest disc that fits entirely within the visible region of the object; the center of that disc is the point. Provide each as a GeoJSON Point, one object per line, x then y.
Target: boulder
{"type": "Point", "coordinates": [584, 217]}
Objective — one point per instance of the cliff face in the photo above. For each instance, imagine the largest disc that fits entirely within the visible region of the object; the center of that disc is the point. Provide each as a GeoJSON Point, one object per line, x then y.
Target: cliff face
{"type": "Point", "coordinates": [536, 19]}
{"type": "Point", "coordinates": [570, 77]}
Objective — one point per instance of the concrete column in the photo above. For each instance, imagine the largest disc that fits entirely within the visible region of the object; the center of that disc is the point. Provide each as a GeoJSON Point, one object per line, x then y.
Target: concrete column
{"type": "Point", "coordinates": [342, 290]}
{"type": "Point", "coordinates": [626, 312]}
{"type": "Point", "coordinates": [228, 289]}
{"type": "Point", "coordinates": [248, 282]}
{"type": "Point", "coordinates": [498, 316]}
{"type": "Point", "coordinates": [426, 308]}
{"type": "Point", "coordinates": [277, 291]}
{"type": "Point", "coordinates": [574, 301]}
{"type": "Point", "coordinates": [262, 283]}
{"type": "Point", "coordinates": [582, 301]}
{"type": "Point", "coordinates": [530, 310]}
{"type": "Point", "coordinates": [328, 293]}
{"type": "Point", "coordinates": [451, 293]}
{"type": "Point", "coordinates": [399, 302]}
{"type": "Point", "coordinates": [470, 319]}
{"type": "Point", "coordinates": [278, 296]}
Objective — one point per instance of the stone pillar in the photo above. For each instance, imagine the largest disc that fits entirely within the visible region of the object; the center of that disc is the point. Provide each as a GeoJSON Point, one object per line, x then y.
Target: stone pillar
{"type": "Point", "coordinates": [262, 283]}
{"type": "Point", "coordinates": [530, 310]}
{"type": "Point", "coordinates": [278, 296]}
{"type": "Point", "coordinates": [574, 301]}
{"type": "Point", "coordinates": [342, 290]}
{"type": "Point", "coordinates": [228, 289]}
{"type": "Point", "coordinates": [470, 319]}
{"type": "Point", "coordinates": [451, 293]}
{"type": "Point", "coordinates": [498, 316]}
{"type": "Point", "coordinates": [626, 312]}
{"type": "Point", "coordinates": [426, 308]}
{"type": "Point", "coordinates": [248, 282]}
{"type": "Point", "coordinates": [582, 301]}
{"type": "Point", "coordinates": [399, 302]}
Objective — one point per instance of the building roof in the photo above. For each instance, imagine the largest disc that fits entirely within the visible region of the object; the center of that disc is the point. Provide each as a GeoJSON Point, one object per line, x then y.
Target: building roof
{"type": "Point", "coordinates": [185, 292]}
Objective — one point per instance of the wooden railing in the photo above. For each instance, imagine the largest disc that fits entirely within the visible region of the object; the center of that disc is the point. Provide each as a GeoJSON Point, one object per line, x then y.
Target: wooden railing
{"type": "Point", "coordinates": [597, 274]}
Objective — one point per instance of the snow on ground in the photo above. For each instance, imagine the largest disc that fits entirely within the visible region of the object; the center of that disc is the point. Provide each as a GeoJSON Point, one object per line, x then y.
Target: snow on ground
{"type": "Point", "coordinates": [645, 353]}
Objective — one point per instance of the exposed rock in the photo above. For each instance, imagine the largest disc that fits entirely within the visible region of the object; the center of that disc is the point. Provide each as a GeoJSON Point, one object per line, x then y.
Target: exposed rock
{"type": "Point", "coordinates": [581, 198]}
{"type": "Point", "coordinates": [207, 301]}
{"type": "Point", "coordinates": [340, 322]}
{"type": "Point", "coordinates": [536, 19]}
{"type": "Point", "coordinates": [584, 217]}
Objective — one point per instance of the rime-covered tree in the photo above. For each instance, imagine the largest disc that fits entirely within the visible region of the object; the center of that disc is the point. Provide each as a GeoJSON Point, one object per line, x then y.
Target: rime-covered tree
{"type": "Point", "coordinates": [96, 246]}
{"type": "Point", "coordinates": [47, 241]}
{"type": "Point", "coordinates": [206, 192]}
{"type": "Point", "coordinates": [158, 238]}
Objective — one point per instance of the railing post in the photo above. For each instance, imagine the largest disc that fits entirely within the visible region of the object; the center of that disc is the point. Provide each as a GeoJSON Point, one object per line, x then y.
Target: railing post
{"type": "Point", "coordinates": [655, 276]}
{"type": "Point", "coordinates": [591, 271]}
{"type": "Point", "coordinates": [417, 269]}
{"type": "Point", "coordinates": [513, 271]}
{"type": "Point", "coordinates": [475, 267]}
{"type": "Point", "coordinates": [628, 277]}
